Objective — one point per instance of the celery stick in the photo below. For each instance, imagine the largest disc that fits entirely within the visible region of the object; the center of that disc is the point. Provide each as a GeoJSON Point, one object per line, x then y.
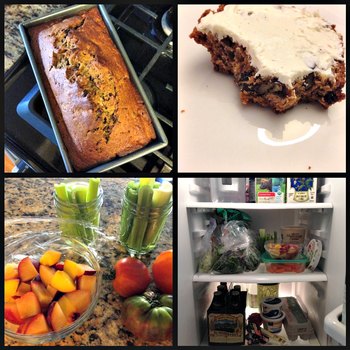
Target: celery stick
{"type": "Point", "coordinates": [161, 197]}
{"type": "Point", "coordinates": [127, 215]}
{"type": "Point", "coordinates": [69, 194]}
{"type": "Point", "coordinates": [64, 193]}
{"type": "Point", "coordinates": [79, 194]}
{"type": "Point", "coordinates": [144, 203]}
{"type": "Point", "coordinates": [154, 229]}
{"type": "Point", "coordinates": [147, 181]}
{"type": "Point", "coordinates": [134, 185]}
{"type": "Point", "coordinates": [61, 191]}
{"type": "Point", "coordinates": [86, 214]}
{"type": "Point", "coordinates": [92, 189]}
{"type": "Point", "coordinates": [156, 185]}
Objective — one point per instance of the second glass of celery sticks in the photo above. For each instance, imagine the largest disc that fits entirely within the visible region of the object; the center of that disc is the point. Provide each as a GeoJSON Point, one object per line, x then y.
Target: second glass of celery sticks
{"type": "Point", "coordinates": [79, 201]}
{"type": "Point", "coordinates": [146, 206]}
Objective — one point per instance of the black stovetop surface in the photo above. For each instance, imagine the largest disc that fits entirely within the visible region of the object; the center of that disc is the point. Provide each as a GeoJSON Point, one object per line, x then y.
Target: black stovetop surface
{"type": "Point", "coordinates": [142, 36]}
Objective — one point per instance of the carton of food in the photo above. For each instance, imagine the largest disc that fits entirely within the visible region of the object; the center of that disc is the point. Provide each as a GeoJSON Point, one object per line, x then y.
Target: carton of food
{"type": "Point", "coordinates": [301, 189]}
{"type": "Point", "coordinates": [270, 189]}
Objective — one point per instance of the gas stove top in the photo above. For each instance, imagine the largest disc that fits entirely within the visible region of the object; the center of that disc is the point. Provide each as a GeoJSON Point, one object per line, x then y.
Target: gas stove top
{"type": "Point", "coordinates": [146, 33]}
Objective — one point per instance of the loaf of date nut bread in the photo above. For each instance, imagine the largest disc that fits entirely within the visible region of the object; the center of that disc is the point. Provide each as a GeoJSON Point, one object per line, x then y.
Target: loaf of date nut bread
{"type": "Point", "coordinates": [99, 112]}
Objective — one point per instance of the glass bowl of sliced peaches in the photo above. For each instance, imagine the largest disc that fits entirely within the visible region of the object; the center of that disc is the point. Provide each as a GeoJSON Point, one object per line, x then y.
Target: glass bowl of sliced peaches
{"type": "Point", "coordinates": [52, 282]}
{"type": "Point", "coordinates": [285, 251]}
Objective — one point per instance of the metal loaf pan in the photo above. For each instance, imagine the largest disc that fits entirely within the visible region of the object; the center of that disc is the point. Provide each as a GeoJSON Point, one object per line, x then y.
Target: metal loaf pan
{"type": "Point", "coordinates": [161, 139]}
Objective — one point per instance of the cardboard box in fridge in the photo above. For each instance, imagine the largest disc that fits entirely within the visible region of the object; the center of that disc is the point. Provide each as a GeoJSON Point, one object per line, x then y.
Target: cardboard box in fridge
{"type": "Point", "coordinates": [301, 189]}
{"type": "Point", "coordinates": [270, 190]}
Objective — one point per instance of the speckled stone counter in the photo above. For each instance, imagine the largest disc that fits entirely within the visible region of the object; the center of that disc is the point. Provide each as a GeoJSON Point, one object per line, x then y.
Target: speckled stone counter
{"type": "Point", "coordinates": [33, 197]}
{"type": "Point", "coordinates": [14, 15]}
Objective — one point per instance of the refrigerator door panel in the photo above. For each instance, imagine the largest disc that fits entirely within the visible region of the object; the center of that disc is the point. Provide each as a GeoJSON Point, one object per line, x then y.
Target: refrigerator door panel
{"type": "Point", "coordinates": [320, 297]}
{"type": "Point", "coordinates": [188, 325]}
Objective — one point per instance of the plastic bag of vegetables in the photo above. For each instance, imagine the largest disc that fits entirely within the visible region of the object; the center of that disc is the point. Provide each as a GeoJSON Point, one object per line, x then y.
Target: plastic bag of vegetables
{"type": "Point", "coordinates": [237, 249]}
{"type": "Point", "coordinates": [207, 254]}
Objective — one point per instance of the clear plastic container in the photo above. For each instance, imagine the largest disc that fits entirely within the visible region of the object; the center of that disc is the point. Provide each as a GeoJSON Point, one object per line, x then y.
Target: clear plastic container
{"type": "Point", "coordinates": [32, 237]}
{"type": "Point", "coordinates": [296, 265]}
{"type": "Point", "coordinates": [230, 189]}
{"type": "Point", "coordinates": [88, 212]}
{"type": "Point", "coordinates": [141, 227]}
{"type": "Point", "coordinates": [285, 251]}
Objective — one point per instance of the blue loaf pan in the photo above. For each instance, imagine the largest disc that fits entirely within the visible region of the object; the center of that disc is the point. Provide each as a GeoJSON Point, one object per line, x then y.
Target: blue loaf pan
{"type": "Point", "coordinates": [161, 139]}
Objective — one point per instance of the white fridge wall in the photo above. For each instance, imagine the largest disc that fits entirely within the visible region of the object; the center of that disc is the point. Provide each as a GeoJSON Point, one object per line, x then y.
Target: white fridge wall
{"type": "Point", "coordinates": [188, 326]}
{"type": "Point", "coordinates": [321, 298]}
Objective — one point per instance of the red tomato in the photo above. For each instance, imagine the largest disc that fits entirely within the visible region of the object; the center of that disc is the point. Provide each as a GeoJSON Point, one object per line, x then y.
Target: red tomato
{"type": "Point", "coordinates": [132, 277]}
{"type": "Point", "coordinates": [162, 270]}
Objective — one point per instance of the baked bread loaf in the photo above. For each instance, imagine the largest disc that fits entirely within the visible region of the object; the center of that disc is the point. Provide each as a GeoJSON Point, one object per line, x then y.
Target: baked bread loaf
{"type": "Point", "coordinates": [279, 56]}
{"type": "Point", "coordinates": [99, 112]}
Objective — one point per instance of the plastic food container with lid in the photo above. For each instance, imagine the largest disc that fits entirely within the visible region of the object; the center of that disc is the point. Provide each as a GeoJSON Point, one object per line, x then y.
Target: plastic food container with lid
{"type": "Point", "coordinates": [296, 265]}
{"type": "Point", "coordinates": [273, 325]}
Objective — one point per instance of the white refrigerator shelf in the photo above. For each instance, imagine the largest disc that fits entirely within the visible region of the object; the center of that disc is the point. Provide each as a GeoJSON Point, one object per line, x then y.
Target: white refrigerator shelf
{"type": "Point", "coordinates": [258, 206]}
{"type": "Point", "coordinates": [261, 276]}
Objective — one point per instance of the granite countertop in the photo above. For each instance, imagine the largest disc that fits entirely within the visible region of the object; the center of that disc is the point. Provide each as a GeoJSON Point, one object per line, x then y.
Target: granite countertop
{"type": "Point", "coordinates": [33, 197]}
{"type": "Point", "coordinates": [14, 15]}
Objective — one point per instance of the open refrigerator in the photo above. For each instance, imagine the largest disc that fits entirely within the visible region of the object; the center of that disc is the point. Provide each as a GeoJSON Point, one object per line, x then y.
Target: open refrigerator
{"type": "Point", "coordinates": [320, 293]}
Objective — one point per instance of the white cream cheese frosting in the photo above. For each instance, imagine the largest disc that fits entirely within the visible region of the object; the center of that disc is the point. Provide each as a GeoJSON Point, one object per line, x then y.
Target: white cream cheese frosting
{"type": "Point", "coordinates": [283, 41]}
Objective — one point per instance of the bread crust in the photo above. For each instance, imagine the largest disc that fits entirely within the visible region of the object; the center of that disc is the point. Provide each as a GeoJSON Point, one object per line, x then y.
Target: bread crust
{"type": "Point", "coordinates": [99, 112]}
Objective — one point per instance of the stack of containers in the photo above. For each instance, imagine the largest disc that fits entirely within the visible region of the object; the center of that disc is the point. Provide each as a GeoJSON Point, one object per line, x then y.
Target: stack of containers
{"type": "Point", "coordinates": [284, 257]}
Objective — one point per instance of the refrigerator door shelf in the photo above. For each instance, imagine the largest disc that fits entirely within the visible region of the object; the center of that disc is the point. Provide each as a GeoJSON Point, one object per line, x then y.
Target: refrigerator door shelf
{"type": "Point", "coordinates": [333, 327]}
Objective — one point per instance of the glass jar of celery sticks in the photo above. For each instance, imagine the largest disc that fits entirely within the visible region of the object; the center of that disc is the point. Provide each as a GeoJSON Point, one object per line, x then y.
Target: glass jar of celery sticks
{"type": "Point", "coordinates": [146, 206]}
{"type": "Point", "coordinates": [81, 201]}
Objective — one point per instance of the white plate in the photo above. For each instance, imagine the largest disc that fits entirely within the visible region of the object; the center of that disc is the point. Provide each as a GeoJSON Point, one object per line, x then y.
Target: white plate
{"type": "Point", "coordinates": [217, 133]}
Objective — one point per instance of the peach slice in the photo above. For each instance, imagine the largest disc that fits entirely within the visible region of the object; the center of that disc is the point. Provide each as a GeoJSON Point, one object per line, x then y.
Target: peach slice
{"type": "Point", "coordinates": [11, 313]}
{"type": "Point", "coordinates": [73, 269]}
{"type": "Point", "coordinates": [23, 288]}
{"type": "Point", "coordinates": [46, 274]}
{"type": "Point", "coordinates": [88, 270]}
{"type": "Point", "coordinates": [37, 325]}
{"type": "Point", "coordinates": [26, 270]}
{"type": "Point", "coordinates": [56, 318]}
{"type": "Point", "coordinates": [11, 271]}
{"type": "Point", "coordinates": [67, 307]}
{"type": "Point", "coordinates": [62, 282]}
{"type": "Point", "coordinates": [80, 299]}
{"type": "Point", "coordinates": [51, 290]}
{"type": "Point", "coordinates": [50, 257]}
{"type": "Point", "coordinates": [87, 282]}
{"type": "Point", "coordinates": [28, 305]}
{"type": "Point", "coordinates": [42, 294]}
{"type": "Point", "coordinates": [23, 326]}
{"type": "Point", "coordinates": [11, 289]}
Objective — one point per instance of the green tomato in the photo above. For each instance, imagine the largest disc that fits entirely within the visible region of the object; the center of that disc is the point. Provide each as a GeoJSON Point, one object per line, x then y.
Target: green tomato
{"type": "Point", "coordinates": [149, 317]}
{"type": "Point", "coordinates": [166, 300]}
